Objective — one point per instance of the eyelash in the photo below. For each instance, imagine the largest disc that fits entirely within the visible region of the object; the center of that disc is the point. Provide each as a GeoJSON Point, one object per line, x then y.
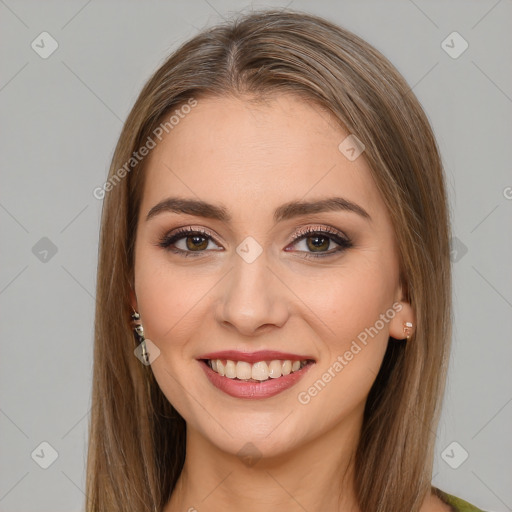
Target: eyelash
{"type": "Point", "coordinates": [343, 241]}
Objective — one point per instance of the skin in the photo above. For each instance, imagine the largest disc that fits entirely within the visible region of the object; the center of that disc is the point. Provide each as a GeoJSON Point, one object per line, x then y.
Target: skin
{"type": "Point", "coordinates": [252, 158]}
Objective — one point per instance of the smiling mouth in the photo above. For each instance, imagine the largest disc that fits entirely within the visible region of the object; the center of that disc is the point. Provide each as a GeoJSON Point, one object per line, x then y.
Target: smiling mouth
{"type": "Point", "coordinates": [260, 371]}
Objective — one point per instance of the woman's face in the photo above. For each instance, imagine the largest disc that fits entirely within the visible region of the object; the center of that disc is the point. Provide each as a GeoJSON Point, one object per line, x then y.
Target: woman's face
{"type": "Point", "coordinates": [242, 291]}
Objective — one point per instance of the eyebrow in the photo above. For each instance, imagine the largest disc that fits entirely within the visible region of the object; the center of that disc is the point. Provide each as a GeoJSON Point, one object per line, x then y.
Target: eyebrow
{"type": "Point", "coordinates": [284, 212]}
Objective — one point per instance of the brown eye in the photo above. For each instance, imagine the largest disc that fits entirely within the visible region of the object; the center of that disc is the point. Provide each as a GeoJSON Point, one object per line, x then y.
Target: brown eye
{"type": "Point", "coordinates": [194, 242]}
{"type": "Point", "coordinates": [318, 241]}
{"type": "Point", "coordinates": [191, 241]}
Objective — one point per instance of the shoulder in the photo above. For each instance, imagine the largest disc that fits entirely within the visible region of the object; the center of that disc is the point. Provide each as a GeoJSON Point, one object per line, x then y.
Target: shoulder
{"type": "Point", "coordinates": [455, 504]}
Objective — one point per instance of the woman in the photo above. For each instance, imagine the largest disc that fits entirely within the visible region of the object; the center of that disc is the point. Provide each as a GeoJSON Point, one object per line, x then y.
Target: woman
{"type": "Point", "coordinates": [275, 235]}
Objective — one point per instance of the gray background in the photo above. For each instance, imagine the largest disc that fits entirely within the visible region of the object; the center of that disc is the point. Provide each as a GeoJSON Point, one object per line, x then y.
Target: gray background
{"type": "Point", "coordinates": [61, 118]}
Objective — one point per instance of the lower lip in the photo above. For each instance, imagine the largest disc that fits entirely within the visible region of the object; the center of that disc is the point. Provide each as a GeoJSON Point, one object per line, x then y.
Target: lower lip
{"type": "Point", "coordinates": [254, 390]}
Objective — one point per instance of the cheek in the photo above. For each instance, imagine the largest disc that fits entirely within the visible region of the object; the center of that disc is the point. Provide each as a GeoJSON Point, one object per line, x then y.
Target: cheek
{"type": "Point", "coordinates": [169, 298]}
{"type": "Point", "coordinates": [356, 307]}
{"type": "Point", "coordinates": [351, 300]}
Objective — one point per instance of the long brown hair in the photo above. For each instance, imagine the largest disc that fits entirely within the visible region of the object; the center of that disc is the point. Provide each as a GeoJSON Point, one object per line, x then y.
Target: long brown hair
{"type": "Point", "coordinates": [136, 438]}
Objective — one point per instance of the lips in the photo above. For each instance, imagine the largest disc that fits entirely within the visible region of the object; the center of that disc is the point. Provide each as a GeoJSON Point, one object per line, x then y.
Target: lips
{"type": "Point", "coordinates": [254, 357]}
{"type": "Point", "coordinates": [252, 375]}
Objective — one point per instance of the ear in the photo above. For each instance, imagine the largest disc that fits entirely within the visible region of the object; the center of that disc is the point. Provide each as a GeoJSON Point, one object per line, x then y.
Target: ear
{"type": "Point", "coordinates": [133, 299]}
{"type": "Point", "coordinates": [404, 312]}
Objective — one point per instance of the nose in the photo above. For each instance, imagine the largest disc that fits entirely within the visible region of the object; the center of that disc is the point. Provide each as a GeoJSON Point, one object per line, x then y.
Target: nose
{"type": "Point", "coordinates": [252, 298]}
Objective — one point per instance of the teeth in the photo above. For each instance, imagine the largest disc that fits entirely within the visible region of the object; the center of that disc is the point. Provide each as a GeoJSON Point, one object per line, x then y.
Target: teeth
{"type": "Point", "coordinates": [243, 370]}
{"type": "Point", "coordinates": [260, 371]}
{"type": "Point", "coordinates": [286, 367]}
{"type": "Point", "coordinates": [230, 370]}
{"type": "Point", "coordinates": [274, 369]}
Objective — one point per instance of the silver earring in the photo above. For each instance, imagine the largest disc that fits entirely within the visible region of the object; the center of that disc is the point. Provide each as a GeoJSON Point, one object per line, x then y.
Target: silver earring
{"type": "Point", "coordinates": [138, 331]}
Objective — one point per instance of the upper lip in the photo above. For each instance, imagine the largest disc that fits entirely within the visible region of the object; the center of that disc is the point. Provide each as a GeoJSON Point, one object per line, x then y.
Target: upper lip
{"type": "Point", "coordinates": [254, 357]}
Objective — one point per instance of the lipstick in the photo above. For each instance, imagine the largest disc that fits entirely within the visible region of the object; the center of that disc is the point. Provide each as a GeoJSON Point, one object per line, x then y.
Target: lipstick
{"type": "Point", "coordinates": [250, 388]}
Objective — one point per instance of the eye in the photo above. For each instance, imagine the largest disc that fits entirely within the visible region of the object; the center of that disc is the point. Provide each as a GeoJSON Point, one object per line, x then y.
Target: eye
{"type": "Point", "coordinates": [195, 240]}
{"type": "Point", "coordinates": [318, 240]}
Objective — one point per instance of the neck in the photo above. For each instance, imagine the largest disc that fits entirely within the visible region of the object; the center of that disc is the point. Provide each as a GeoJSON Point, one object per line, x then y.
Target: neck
{"type": "Point", "coordinates": [317, 475]}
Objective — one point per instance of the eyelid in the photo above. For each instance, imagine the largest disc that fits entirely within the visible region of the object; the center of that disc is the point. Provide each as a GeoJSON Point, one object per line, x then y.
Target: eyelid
{"type": "Point", "coordinates": [192, 229]}
{"type": "Point", "coordinates": [320, 229]}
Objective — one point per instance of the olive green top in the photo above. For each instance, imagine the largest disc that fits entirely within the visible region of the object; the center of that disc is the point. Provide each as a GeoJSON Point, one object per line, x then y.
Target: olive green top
{"type": "Point", "coordinates": [456, 504]}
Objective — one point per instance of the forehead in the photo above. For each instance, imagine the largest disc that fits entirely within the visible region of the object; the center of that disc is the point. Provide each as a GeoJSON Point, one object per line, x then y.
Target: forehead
{"type": "Point", "coordinates": [246, 155]}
